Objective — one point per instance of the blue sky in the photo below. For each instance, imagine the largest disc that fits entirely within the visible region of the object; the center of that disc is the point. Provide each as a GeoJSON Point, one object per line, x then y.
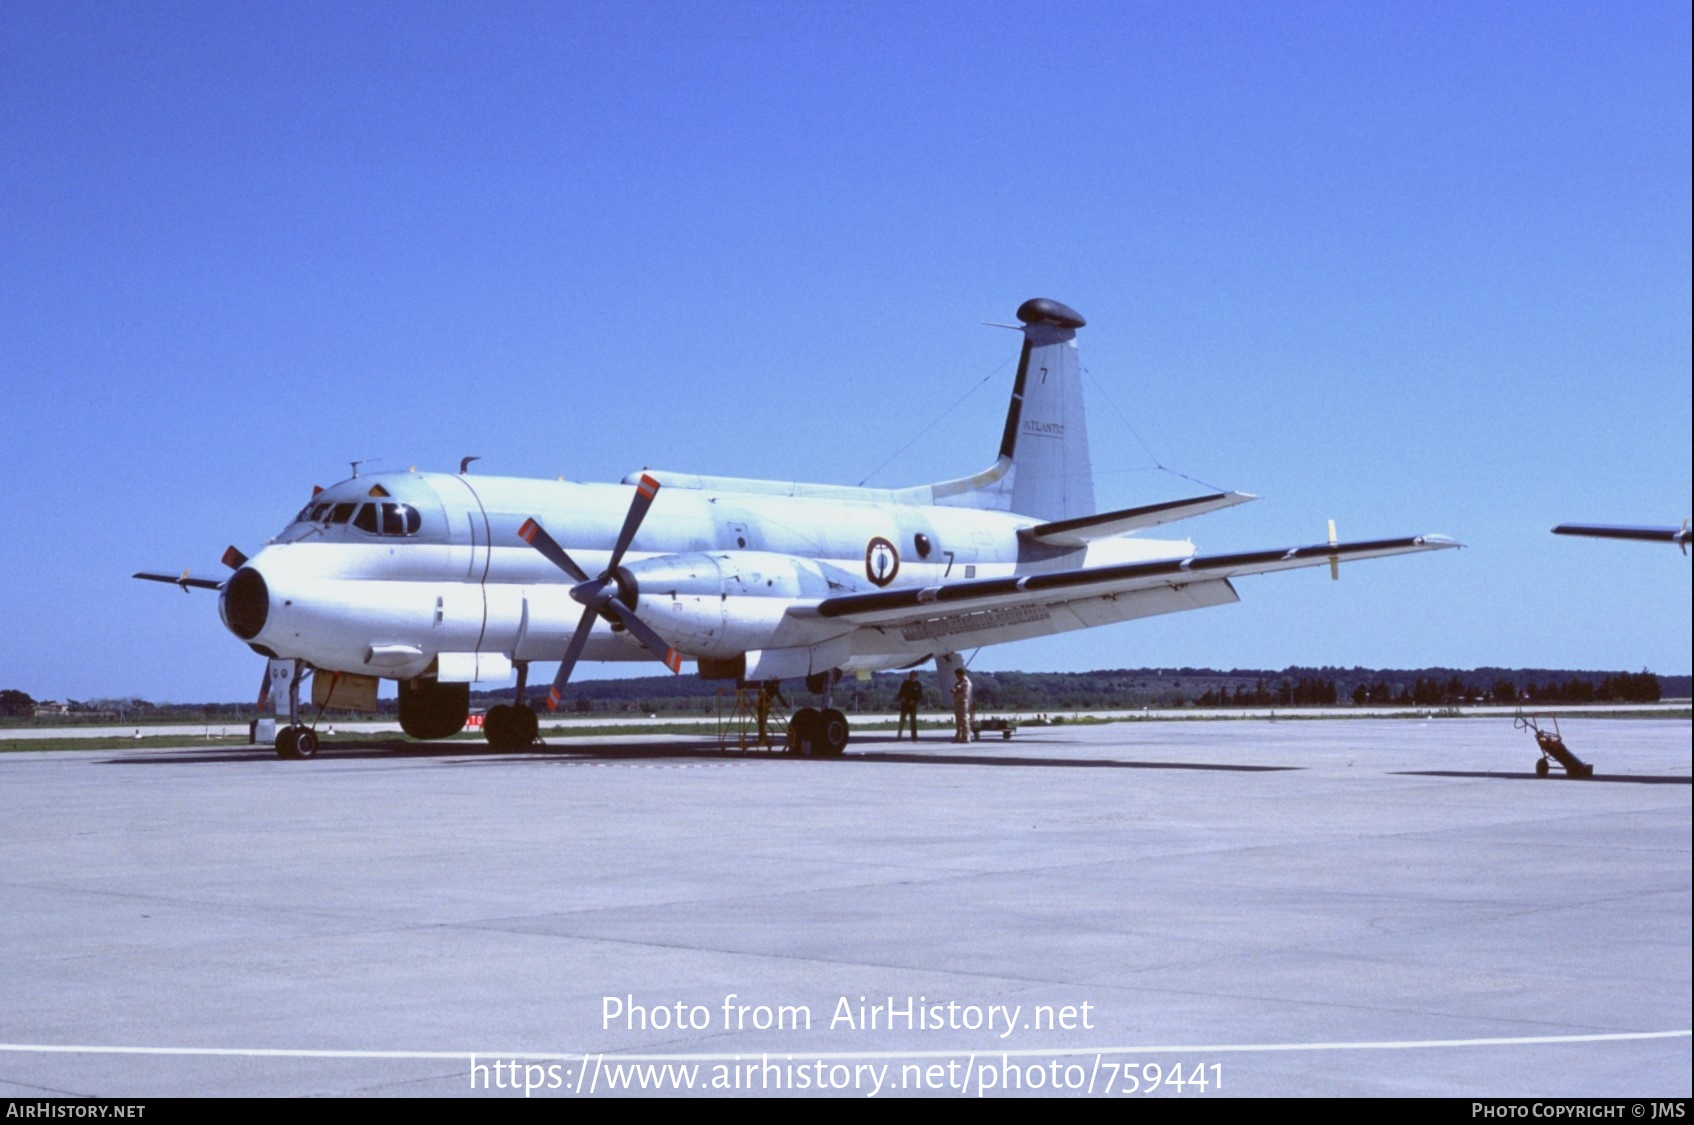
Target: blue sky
{"type": "Point", "coordinates": [1416, 267]}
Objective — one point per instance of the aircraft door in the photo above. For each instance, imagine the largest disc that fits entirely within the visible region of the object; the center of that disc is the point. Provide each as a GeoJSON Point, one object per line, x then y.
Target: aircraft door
{"type": "Point", "coordinates": [461, 613]}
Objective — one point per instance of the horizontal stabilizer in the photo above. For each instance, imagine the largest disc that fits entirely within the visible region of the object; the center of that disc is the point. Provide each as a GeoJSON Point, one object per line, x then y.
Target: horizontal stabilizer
{"type": "Point", "coordinates": [1083, 530]}
{"type": "Point", "coordinates": [885, 607]}
{"type": "Point", "coordinates": [1677, 535]}
{"type": "Point", "coordinates": [183, 580]}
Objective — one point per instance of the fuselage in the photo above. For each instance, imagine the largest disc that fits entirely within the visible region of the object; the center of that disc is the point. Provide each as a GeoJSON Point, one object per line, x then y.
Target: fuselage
{"type": "Point", "coordinates": [400, 575]}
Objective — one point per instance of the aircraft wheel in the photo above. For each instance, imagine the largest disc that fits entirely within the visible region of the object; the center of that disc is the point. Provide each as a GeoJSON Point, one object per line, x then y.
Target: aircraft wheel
{"type": "Point", "coordinates": [430, 710]}
{"type": "Point", "coordinates": [831, 733]}
{"type": "Point", "coordinates": [296, 742]}
{"type": "Point", "coordinates": [1541, 767]}
{"type": "Point", "coordinates": [509, 728]}
{"type": "Point", "coordinates": [525, 723]}
{"type": "Point", "coordinates": [497, 727]}
{"type": "Point", "coordinates": [803, 733]}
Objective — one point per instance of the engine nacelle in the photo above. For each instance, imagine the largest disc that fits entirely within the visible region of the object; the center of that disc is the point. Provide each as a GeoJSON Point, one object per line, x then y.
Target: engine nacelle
{"type": "Point", "coordinates": [731, 574]}
{"type": "Point", "coordinates": [720, 604]}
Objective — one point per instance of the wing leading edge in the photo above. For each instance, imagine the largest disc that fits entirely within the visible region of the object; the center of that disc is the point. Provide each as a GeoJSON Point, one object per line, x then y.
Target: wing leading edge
{"type": "Point", "coordinates": [1677, 535]}
{"type": "Point", "coordinates": [892, 607]}
{"type": "Point", "coordinates": [183, 580]}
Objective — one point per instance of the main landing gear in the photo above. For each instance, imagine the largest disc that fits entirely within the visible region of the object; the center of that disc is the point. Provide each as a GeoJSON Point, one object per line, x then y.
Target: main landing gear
{"type": "Point", "coordinates": [512, 726]}
{"type": "Point", "coordinates": [819, 731]}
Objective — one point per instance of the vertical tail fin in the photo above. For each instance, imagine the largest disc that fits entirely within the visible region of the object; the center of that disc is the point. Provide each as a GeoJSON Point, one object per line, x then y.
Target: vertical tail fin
{"type": "Point", "coordinates": [1043, 469]}
{"type": "Point", "coordinates": [1046, 435]}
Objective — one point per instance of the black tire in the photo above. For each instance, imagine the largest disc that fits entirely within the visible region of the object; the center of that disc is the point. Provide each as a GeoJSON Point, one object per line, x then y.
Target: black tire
{"type": "Point", "coordinates": [430, 709]}
{"type": "Point", "coordinates": [1541, 767]}
{"type": "Point", "coordinates": [803, 731]}
{"type": "Point", "coordinates": [496, 727]}
{"type": "Point", "coordinates": [832, 733]}
{"type": "Point", "coordinates": [296, 742]}
{"type": "Point", "coordinates": [526, 724]}
{"type": "Point", "coordinates": [510, 728]}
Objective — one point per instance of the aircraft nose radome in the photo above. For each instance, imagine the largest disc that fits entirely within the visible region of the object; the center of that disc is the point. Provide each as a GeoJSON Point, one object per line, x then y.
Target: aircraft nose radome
{"type": "Point", "coordinates": [1039, 309]}
{"type": "Point", "coordinates": [246, 603]}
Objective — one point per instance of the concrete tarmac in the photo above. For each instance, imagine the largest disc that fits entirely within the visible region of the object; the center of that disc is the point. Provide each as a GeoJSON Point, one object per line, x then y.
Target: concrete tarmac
{"type": "Point", "coordinates": [1348, 907]}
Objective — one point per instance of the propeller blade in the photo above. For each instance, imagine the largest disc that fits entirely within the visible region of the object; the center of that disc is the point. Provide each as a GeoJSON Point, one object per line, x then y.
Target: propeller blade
{"type": "Point", "coordinates": [536, 536]}
{"type": "Point", "coordinates": [639, 629]}
{"type": "Point", "coordinates": [599, 595]}
{"type": "Point", "coordinates": [578, 640]}
{"type": "Point", "coordinates": [234, 559]}
{"type": "Point", "coordinates": [644, 493]}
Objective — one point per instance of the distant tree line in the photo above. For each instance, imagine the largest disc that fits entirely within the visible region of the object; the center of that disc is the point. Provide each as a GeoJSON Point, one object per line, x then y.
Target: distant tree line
{"type": "Point", "coordinates": [1127, 689]}
{"type": "Point", "coordinates": [1024, 692]}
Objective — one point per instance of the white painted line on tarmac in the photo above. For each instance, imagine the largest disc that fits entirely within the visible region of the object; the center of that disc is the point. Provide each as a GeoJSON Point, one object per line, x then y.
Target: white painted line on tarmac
{"type": "Point", "coordinates": [1187, 1049]}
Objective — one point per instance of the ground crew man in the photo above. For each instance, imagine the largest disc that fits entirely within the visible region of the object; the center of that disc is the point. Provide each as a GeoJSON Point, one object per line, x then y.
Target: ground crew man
{"type": "Point", "coordinates": [961, 706]}
{"type": "Point", "coordinates": [911, 695]}
{"type": "Point", "coordinates": [769, 691]}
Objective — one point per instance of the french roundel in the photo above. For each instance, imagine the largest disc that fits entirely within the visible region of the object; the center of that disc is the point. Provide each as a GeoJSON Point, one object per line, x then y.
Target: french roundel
{"type": "Point", "coordinates": [882, 561]}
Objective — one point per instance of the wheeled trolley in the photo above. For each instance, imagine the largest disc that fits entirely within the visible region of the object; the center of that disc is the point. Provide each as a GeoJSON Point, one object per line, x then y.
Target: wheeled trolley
{"type": "Point", "coordinates": [1004, 726]}
{"type": "Point", "coordinates": [1552, 745]}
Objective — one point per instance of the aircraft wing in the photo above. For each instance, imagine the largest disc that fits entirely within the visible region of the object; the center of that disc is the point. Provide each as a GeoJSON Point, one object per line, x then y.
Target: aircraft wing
{"type": "Point", "coordinates": [1677, 535]}
{"type": "Point", "coordinates": [183, 580]}
{"type": "Point", "coordinates": [1085, 529]}
{"type": "Point", "coordinates": [893, 607]}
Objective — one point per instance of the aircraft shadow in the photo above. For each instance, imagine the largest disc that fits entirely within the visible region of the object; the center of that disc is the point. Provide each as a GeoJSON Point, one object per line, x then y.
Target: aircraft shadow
{"type": "Point", "coordinates": [1529, 775]}
{"type": "Point", "coordinates": [571, 752]}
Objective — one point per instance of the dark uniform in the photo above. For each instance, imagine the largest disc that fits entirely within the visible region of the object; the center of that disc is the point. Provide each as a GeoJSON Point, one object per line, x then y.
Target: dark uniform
{"type": "Point", "coordinates": [910, 697]}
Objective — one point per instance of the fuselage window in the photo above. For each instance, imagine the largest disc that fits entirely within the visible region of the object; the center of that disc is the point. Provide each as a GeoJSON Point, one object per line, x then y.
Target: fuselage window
{"type": "Point", "coordinates": [366, 519]}
{"type": "Point", "coordinates": [341, 513]}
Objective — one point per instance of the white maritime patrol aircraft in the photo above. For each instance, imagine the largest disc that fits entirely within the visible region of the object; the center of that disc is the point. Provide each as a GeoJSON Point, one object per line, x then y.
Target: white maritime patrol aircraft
{"type": "Point", "coordinates": [440, 580]}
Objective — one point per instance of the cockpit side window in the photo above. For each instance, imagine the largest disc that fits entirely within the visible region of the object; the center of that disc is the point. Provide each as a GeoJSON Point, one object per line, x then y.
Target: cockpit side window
{"type": "Point", "coordinates": [366, 519]}
{"type": "Point", "coordinates": [319, 511]}
{"type": "Point", "coordinates": [341, 513]}
{"type": "Point", "coordinates": [398, 519]}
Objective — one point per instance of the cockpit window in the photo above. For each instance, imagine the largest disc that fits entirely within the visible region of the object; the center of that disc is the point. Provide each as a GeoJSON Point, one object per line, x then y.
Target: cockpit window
{"type": "Point", "coordinates": [397, 519]}
{"type": "Point", "coordinates": [386, 518]}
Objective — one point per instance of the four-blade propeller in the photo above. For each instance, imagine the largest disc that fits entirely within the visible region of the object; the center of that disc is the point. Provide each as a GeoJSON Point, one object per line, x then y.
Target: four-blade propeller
{"type": "Point", "coordinates": [601, 596]}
